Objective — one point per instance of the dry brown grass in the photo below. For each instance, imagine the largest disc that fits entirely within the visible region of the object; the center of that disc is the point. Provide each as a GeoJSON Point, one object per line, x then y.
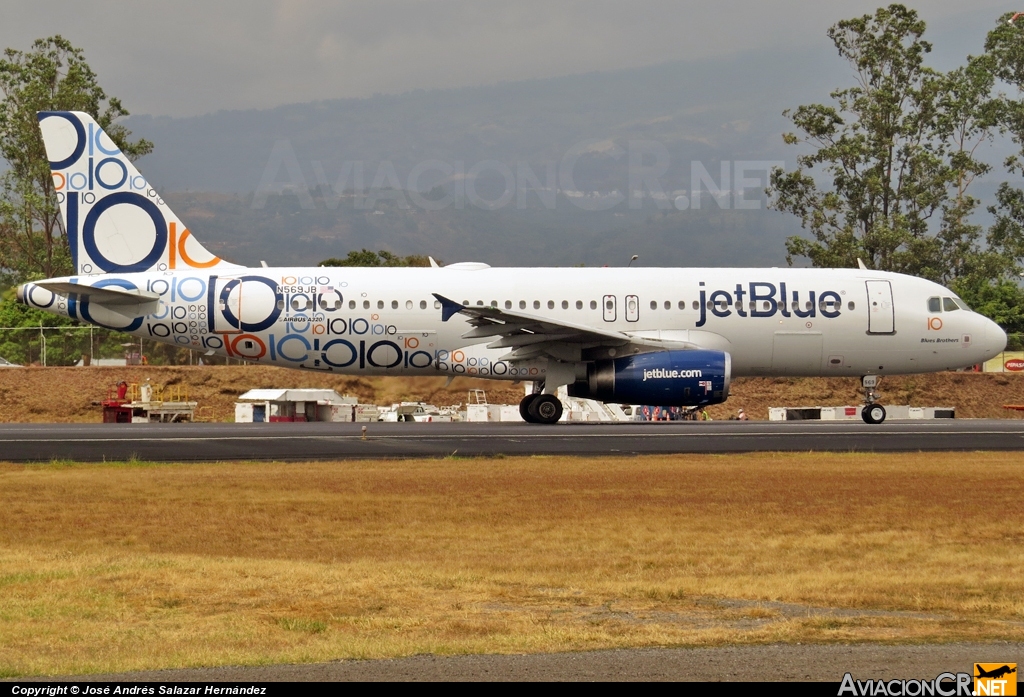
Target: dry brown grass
{"type": "Point", "coordinates": [132, 566]}
{"type": "Point", "coordinates": [67, 394]}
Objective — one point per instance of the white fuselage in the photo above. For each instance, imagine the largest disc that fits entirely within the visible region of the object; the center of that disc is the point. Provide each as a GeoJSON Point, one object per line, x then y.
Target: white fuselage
{"type": "Point", "coordinates": [387, 321]}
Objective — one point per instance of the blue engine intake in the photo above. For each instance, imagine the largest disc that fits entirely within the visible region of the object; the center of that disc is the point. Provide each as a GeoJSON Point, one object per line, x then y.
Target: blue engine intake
{"type": "Point", "coordinates": [665, 378]}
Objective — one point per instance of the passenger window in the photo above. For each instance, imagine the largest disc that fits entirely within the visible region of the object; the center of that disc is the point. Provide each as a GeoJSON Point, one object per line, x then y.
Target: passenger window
{"type": "Point", "coordinates": [494, 303]}
{"type": "Point", "coordinates": [380, 304]}
{"type": "Point", "coordinates": [351, 304]}
{"type": "Point", "coordinates": [280, 304]}
{"type": "Point", "coordinates": [508, 304]}
{"type": "Point", "coordinates": [479, 303]}
{"type": "Point", "coordinates": [948, 305]}
{"type": "Point", "coordinates": [668, 304]}
{"type": "Point", "coordinates": [522, 304]}
{"type": "Point", "coordinates": [696, 304]}
{"type": "Point", "coordinates": [437, 304]}
{"type": "Point", "coordinates": [536, 304]}
{"type": "Point", "coordinates": [850, 305]}
{"type": "Point", "coordinates": [593, 304]}
{"type": "Point", "coordinates": [565, 304]}
{"type": "Point", "coordinates": [408, 304]}
{"type": "Point", "coordinates": [579, 304]}
{"type": "Point", "coordinates": [366, 304]}
{"type": "Point", "coordinates": [682, 304]}
{"type": "Point", "coordinates": [551, 304]}
{"type": "Point", "coordinates": [394, 304]}
{"type": "Point", "coordinates": [654, 304]}
{"type": "Point", "coordinates": [934, 305]}
{"type": "Point", "coordinates": [423, 304]}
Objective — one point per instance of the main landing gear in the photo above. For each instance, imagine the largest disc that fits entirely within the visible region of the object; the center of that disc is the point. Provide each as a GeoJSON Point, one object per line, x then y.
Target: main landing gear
{"type": "Point", "coordinates": [872, 413]}
{"type": "Point", "coordinates": [540, 408]}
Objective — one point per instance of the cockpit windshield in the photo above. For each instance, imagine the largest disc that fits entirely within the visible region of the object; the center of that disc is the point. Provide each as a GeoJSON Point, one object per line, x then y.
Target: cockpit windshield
{"type": "Point", "coordinates": [946, 305]}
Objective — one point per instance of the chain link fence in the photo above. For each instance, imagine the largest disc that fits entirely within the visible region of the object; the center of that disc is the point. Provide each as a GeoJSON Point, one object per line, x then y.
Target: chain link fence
{"type": "Point", "coordinates": [80, 345]}
{"type": "Point", "coordinates": [1009, 361]}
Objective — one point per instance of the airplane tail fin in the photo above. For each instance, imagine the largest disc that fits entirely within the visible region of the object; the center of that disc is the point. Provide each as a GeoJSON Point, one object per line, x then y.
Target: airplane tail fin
{"type": "Point", "coordinates": [115, 221]}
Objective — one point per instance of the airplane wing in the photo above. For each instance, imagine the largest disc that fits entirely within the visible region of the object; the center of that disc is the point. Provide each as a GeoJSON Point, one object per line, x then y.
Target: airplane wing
{"type": "Point", "coordinates": [528, 336]}
{"type": "Point", "coordinates": [108, 295]}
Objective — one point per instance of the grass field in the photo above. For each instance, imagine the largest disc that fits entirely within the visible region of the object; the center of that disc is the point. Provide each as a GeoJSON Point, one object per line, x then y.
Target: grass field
{"type": "Point", "coordinates": [132, 565]}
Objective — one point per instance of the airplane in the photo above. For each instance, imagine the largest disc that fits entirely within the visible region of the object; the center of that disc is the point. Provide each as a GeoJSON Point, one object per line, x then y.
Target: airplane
{"type": "Point", "coordinates": [654, 336]}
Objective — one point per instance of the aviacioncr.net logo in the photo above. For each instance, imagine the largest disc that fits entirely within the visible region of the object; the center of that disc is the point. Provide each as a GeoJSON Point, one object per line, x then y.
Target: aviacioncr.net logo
{"type": "Point", "coordinates": [943, 685]}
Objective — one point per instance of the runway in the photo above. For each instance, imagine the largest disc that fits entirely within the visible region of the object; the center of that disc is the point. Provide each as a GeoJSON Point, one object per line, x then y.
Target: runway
{"type": "Point", "coordinates": [321, 441]}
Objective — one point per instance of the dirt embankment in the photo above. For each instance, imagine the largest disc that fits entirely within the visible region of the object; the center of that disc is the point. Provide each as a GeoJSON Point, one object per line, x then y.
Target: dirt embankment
{"type": "Point", "coordinates": [71, 394]}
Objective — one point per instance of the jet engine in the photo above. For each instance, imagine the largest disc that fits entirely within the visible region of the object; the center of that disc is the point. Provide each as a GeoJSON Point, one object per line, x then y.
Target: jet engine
{"type": "Point", "coordinates": [664, 378]}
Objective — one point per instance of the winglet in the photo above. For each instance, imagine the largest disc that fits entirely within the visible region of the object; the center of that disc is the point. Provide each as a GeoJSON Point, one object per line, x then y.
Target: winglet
{"type": "Point", "coordinates": [433, 264]}
{"type": "Point", "coordinates": [449, 308]}
{"type": "Point", "coordinates": [860, 264]}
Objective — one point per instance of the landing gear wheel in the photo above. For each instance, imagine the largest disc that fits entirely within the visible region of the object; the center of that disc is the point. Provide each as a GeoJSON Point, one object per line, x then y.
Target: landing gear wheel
{"type": "Point", "coordinates": [524, 407]}
{"type": "Point", "coordinates": [873, 414]}
{"type": "Point", "coordinates": [545, 409]}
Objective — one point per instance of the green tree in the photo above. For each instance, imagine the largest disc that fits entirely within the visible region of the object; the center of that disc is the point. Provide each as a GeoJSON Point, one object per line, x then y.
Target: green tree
{"type": "Point", "coordinates": [893, 157]}
{"type": "Point", "coordinates": [365, 257]}
{"type": "Point", "coordinates": [52, 76]}
{"type": "Point", "coordinates": [892, 160]}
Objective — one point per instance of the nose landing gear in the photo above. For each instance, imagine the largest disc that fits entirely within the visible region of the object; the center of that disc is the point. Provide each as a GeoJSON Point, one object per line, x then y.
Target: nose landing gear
{"type": "Point", "coordinates": [872, 413]}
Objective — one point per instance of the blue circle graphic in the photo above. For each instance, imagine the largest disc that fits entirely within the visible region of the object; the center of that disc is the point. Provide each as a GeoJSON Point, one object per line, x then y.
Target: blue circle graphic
{"type": "Point", "coordinates": [129, 198]}
{"type": "Point", "coordinates": [79, 129]}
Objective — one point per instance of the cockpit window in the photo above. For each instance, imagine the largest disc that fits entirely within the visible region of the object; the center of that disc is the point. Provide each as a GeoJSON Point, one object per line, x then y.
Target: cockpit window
{"type": "Point", "coordinates": [962, 305]}
{"type": "Point", "coordinates": [934, 304]}
{"type": "Point", "coordinates": [948, 305]}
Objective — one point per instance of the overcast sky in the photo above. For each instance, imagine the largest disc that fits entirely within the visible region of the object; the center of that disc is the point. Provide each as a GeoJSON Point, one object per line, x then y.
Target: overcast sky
{"type": "Point", "coordinates": [191, 57]}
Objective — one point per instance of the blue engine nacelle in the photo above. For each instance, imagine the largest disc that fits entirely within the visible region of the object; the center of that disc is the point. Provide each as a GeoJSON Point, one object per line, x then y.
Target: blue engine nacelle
{"type": "Point", "coordinates": [665, 378]}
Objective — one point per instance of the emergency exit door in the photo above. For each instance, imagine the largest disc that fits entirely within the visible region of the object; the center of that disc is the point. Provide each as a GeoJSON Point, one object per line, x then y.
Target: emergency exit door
{"type": "Point", "coordinates": [609, 305]}
{"type": "Point", "coordinates": [226, 312]}
{"type": "Point", "coordinates": [881, 313]}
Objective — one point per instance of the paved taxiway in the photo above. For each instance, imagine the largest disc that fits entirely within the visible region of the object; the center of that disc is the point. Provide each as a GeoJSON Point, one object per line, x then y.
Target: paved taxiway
{"type": "Point", "coordinates": [304, 441]}
{"type": "Point", "coordinates": [821, 662]}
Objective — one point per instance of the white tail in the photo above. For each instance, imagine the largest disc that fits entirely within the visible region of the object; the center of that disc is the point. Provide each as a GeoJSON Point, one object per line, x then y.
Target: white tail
{"type": "Point", "coordinates": [116, 222]}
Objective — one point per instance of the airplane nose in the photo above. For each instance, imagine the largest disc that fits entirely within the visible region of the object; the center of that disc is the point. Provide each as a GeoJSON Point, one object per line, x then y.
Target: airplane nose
{"type": "Point", "coordinates": [995, 338]}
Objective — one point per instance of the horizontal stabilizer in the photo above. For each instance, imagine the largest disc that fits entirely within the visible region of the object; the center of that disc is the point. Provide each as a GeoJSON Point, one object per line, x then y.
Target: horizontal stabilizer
{"type": "Point", "coordinates": [106, 295]}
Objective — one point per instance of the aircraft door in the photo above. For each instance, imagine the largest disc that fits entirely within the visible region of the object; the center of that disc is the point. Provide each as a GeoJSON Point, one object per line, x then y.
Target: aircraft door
{"type": "Point", "coordinates": [243, 304]}
{"type": "Point", "coordinates": [881, 317]}
{"type": "Point", "coordinates": [226, 305]}
{"type": "Point", "coordinates": [632, 308]}
{"type": "Point", "coordinates": [610, 311]}
{"type": "Point", "coordinates": [797, 353]}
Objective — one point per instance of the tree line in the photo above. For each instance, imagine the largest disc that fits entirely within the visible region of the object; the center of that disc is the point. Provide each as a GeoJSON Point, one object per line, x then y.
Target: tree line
{"type": "Point", "coordinates": [886, 170]}
{"type": "Point", "coordinates": [887, 167]}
